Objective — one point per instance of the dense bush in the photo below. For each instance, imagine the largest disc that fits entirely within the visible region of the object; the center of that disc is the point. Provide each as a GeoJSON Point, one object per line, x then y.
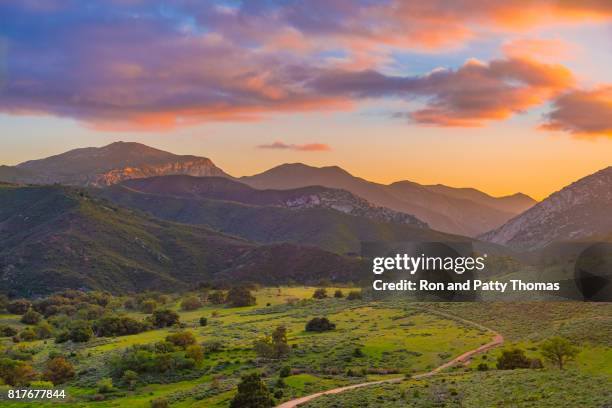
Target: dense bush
{"type": "Point", "coordinates": [181, 339]}
{"type": "Point", "coordinates": [217, 298]}
{"type": "Point", "coordinates": [164, 318]}
{"type": "Point", "coordinates": [354, 295]}
{"type": "Point", "coordinates": [78, 331]}
{"type": "Point", "coordinates": [320, 293]}
{"type": "Point", "coordinates": [146, 359]}
{"type": "Point", "coordinates": [109, 326]}
{"type": "Point", "coordinates": [7, 331]}
{"type": "Point", "coordinates": [191, 303]}
{"type": "Point", "coordinates": [59, 370]}
{"type": "Point", "coordinates": [274, 346]}
{"type": "Point", "coordinates": [31, 317]}
{"type": "Point", "coordinates": [240, 296]}
{"type": "Point", "coordinates": [320, 324]}
{"type": "Point", "coordinates": [105, 385]}
{"type": "Point", "coordinates": [338, 294]}
{"type": "Point", "coordinates": [19, 306]}
{"type": "Point", "coordinates": [203, 321]}
{"type": "Point", "coordinates": [511, 359]}
{"type": "Point", "coordinates": [15, 372]}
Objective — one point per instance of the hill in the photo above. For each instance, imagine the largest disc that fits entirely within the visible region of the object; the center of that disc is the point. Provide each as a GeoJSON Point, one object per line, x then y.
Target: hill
{"type": "Point", "coordinates": [103, 166]}
{"type": "Point", "coordinates": [55, 237]}
{"type": "Point", "coordinates": [578, 211]}
{"type": "Point", "coordinates": [308, 216]}
{"type": "Point", "coordinates": [458, 211]}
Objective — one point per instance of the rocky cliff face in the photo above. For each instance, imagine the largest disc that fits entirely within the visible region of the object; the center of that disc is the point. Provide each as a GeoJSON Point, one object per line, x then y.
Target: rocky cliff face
{"type": "Point", "coordinates": [580, 210]}
{"type": "Point", "coordinates": [348, 203]}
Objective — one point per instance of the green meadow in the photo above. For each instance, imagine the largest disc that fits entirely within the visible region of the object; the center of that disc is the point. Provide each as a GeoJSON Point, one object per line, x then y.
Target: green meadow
{"type": "Point", "coordinates": [372, 340]}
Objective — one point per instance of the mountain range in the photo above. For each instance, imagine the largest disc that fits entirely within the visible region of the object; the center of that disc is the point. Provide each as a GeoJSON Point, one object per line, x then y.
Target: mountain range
{"type": "Point", "coordinates": [57, 237]}
{"type": "Point", "coordinates": [462, 211]}
{"type": "Point", "coordinates": [331, 219]}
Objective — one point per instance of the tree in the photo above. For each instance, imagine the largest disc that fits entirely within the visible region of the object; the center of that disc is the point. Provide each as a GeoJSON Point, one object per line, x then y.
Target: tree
{"type": "Point", "coordinates": [320, 293]}
{"type": "Point", "coordinates": [148, 306]}
{"type": "Point", "coordinates": [79, 331]}
{"type": "Point", "coordinates": [338, 294]}
{"type": "Point", "coordinates": [558, 351]}
{"type": "Point", "coordinates": [240, 296]}
{"type": "Point", "coordinates": [165, 318]}
{"type": "Point", "coordinates": [19, 306]}
{"type": "Point", "coordinates": [511, 359]}
{"type": "Point", "coordinates": [274, 346]}
{"type": "Point", "coordinates": [59, 370]}
{"type": "Point", "coordinates": [320, 324]}
{"type": "Point", "coordinates": [252, 393]}
{"type": "Point", "coordinates": [191, 303]}
{"type": "Point", "coordinates": [130, 377]}
{"type": "Point", "coordinates": [181, 339]}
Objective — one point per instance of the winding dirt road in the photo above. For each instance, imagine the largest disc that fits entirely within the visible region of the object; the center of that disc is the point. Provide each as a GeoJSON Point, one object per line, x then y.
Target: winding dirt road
{"type": "Point", "coordinates": [498, 339]}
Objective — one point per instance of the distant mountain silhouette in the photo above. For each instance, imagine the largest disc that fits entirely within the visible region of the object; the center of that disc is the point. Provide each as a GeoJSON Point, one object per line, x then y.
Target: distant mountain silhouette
{"type": "Point", "coordinates": [579, 211]}
{"type": "Point", "coordinates": [459, 211]}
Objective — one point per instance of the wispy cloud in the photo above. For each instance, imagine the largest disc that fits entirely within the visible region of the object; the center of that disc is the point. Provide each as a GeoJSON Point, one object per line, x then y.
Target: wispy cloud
{"type": "Point", "coordinates": [308, 147]}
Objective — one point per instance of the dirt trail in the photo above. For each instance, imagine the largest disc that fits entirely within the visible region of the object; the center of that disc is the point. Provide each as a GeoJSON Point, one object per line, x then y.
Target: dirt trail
{"type": "Point", "coordinates": [498, 339]}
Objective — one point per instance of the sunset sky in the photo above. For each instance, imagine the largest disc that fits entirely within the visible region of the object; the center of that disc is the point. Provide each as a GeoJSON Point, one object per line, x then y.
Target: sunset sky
{"type": "Point", "coordinates": [502, 96]}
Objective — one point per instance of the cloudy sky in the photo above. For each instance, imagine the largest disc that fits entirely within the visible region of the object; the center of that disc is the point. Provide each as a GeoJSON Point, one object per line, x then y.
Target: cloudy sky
{"type": "Point", "coordinates": [502, 96]}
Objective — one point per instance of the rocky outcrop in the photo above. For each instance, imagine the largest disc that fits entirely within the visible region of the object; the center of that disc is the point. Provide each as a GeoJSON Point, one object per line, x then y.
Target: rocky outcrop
{"type": "Point", "coordinates": [578, 211]}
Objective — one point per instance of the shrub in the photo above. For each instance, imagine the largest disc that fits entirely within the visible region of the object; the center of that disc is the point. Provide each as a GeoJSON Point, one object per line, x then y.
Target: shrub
{"type": "Point", "coordinates": [217, 298]}
{"type": "Point", "coordinates": [164, 318]}
{"type": "Point", "coordinates": [354, 295]}
{"type": "Point", "coordinates": [79, 331]}
{"type": "Point", "coordinates": [58, 370]}
{"type": "Point", "coordinates": [252, 393]}
{"type": "Point", "coordinates": [160, 403]}
{"type": "Point", "coordinates": [203, 321]}
{"type": "Point", "coordinates": [7, 331]}
{"type": "Point", "coordinates": [148, 306]}
{"type": "Point", "coordinates": [27, 334]}
{"type": "Point", "coordinates": [536, 363]}
{"type": "Point", "coordinates": [320, 293]}
{"type": "Point", "coordinates": [511, 359]}
{"type": "Point", "coordinates": [338, 294]}
{"type": "Point", "coordinates": [285, 371]}
{"type": "Point", "coordinates": [212, 346]}
{"type": "Point", "coordinates": [191, 303]}
{"type": "Point", "coordinates": [181, 339]}
{"type": "Point", "coordinates": [240, 296]}
{"type": "Point", "coordinates": [110, 326]}
{"type": "Point", "coordinates": [31, 317]}
{"type": "Point", "coordinates": [320, 324]}
{"type": "Point", "coordinates": [130, 377]}
{"type": "Point", "coordinates": [483, 367]}
{"type": "Point", "coordinates": [105, 385]}
{"type": "Point", "coordinates": [195, 352]}
{"type": "Point", "coordinates": [275, 346]}
{"type": "Point", "coordinates": [358, 353]}
{"type": "Point", "coordinates": [19, 306]}
{"type": "Point", "coordinates": [4, 301]}
{"type": "Point", "coordinates": [15, 372]}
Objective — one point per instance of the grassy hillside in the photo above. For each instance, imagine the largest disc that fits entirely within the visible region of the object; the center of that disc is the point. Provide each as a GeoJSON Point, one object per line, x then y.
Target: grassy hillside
{"type": "Point", "coordinates": [324, 228]}
{"type": "Point", "coordinates": [55, 237]}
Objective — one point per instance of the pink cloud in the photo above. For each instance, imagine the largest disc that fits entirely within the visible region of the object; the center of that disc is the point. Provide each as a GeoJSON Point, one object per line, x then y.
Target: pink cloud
{"type": "Point", "coordinates": [309, 147]}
